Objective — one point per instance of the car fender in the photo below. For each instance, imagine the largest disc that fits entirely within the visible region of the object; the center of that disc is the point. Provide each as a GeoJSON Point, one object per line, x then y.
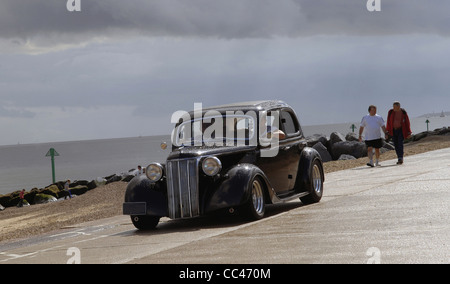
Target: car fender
{"type": "Point", "coordinates": [307, 157]}
{"type": "Point", "coordinates": [234, 189]}
{"type": "Point", "coordinates": [140, 189]}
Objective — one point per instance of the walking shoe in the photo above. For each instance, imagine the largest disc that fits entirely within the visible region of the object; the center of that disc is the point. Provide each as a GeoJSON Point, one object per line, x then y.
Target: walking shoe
{"type": "Point", "coordinates": [400, 162]}
{"type": "Point", "coordinates": [377, 164]}
{"type": "Point", "coordinates": [370, 164]}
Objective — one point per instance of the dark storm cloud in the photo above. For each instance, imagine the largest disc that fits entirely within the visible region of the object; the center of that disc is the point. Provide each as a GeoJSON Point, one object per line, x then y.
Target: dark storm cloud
{"type": "Point", "coordinates": [120, 62]}
{"type": "Point", "coordinates": [31, 19]}
{"type": "Point", "coordinates": [248, 18]}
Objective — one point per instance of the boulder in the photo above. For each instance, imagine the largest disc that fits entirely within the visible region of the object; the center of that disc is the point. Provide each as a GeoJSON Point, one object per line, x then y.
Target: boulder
{"type": "Point", "coordinates": [109, 177]}
{"type": "Point", "coordinates": [9, 200]}
{"type": "Point", "coordinates": [353, 148]}
{"type": "Point", "coordinates": [4, 199]}
{"type": "Point", "coordinates": [128, 178]}
{"type": "Point", "coordinates": [24, 203]}
{"type": "Point", "coordinates": [336, 137]}
{"type": "Point", "coordinates": [59, 184]}
{"type": "Point", "coordinates": [442, 131]}
{"type": "Point", "coordinates": [346, 157]}
{"type": "Point", "coordinates": [383, 150]}
{"type": "Point", "coordinates": [30, 195]}
{"type": "Point", "coordinates": [113, 178]}
{"type": "Point", "coordinates": [388, 146]}
{"type": "Point", "coordinates": [2, 208]}
{"type": "Point", "coordinates": [314, 139]}
{"type": "Point", "coordinates": [14, 200]}
{"type": "Point", "coordinates": [42, 198]}
{"type": "Point", "coordinates": [91, 185]}
{"type": "Point", "coordinates": [51, 190]}
{"type": "Point", "coordinates": [419, 136]}
{"type": "Point", "coordinates": [326, 157]}
{"type": "Point", "coordinates": [79, 182]}
{"type": "Point", "coordinates": [351, 136]}
{"type": "Point", "coordinates": [79, 189]}
{"type": "Point", "coordinates": [100, 181]}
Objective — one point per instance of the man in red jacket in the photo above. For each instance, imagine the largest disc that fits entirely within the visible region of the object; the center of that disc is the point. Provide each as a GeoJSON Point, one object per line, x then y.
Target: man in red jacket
{"type": "Point", "coordinates": [399, 127]}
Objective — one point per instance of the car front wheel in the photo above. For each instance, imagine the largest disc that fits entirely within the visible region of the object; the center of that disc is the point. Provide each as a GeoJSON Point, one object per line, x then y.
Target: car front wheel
{"type": "Point", "coordinates": [143, 222]}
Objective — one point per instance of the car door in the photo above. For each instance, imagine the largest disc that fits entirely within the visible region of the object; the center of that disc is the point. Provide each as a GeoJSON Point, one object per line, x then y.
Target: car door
{"type": "Point", "coordinates": [281, 169]}
{"type": "Point", "coordinates": [292, 145]}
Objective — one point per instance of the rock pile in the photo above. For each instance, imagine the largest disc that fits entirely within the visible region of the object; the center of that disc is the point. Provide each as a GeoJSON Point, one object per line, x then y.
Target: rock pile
{"type": "Point", "coordinates": [337, 146]}
{"type": "Point", "coordinates": [340, 147]}
{"type": "Point", "coordinates": [438, 131]}
{"type": "Point", "coordinates": [56, 191]}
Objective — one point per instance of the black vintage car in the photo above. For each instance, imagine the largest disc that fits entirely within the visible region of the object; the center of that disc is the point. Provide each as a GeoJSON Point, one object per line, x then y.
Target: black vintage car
{"type": "Point", "coordinates": [238, 156]}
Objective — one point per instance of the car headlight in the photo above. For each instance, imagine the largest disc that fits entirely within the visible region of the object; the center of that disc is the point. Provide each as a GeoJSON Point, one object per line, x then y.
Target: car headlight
{"type": "Point", "coordinates": [211, 166]}
{"type": "Point", "coordinates": [154, 172]}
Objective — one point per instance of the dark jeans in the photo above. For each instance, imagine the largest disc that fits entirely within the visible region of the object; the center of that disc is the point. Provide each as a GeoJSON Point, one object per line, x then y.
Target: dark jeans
{"type": "Point", "coordinates": [398, 142]}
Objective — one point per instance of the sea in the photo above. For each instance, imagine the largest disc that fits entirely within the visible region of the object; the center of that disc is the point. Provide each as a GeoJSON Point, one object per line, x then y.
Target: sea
{"type": "Point", "coordinates": [26, 166]}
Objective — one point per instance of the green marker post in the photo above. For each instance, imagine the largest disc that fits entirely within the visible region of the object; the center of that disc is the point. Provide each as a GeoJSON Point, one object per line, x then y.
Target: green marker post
{"type": "Point", "coordinates": [52, 153]}
{"type": "Point", "coordinates": [427, 121]}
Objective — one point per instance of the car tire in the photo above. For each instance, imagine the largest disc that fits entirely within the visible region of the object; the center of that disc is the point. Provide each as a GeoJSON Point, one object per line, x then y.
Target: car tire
{"type": "Point", "coordinates": [256, 206]}
{"type": "Point", "coordinates": [315, 184]}
{"type": "Point", "coordinates": [143, 222]}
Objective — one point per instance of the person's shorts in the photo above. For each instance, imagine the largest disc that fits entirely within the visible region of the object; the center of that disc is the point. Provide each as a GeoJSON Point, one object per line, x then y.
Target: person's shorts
{"type": "Point", "coordinates": [377, 143]}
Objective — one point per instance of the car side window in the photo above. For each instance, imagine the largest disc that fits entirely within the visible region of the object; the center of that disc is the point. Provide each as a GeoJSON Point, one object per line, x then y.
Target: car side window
{"type": "Point", "coordinates": [289, 125]}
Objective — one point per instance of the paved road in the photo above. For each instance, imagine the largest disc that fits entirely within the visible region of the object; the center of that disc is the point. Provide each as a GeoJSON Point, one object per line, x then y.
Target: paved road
{"type": "Point", "coordinates": [388, 214]}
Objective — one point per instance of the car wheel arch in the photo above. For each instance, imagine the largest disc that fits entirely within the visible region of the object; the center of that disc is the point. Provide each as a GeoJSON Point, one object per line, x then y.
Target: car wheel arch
{"type": "Point", "coordinates": [258, 173]}
{"type": "Point", "coordinates": [310, 158]}
{"type": "Point", "coordinates": [238, 180]}
{"type": "Point", "coordinates": [307, 157]}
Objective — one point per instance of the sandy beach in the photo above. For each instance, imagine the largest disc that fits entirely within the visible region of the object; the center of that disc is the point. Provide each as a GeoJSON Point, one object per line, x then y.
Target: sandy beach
{"type": "Point", "coordinates": [106, 201]}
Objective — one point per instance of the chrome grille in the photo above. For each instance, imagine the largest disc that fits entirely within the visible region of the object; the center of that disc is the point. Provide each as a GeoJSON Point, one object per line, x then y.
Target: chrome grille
{"type": "Point", "coordinates": [182, 188]}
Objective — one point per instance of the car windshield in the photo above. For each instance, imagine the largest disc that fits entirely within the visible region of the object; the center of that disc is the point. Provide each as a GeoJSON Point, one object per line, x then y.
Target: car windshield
{"type": "Point", "coordinates": [216, 130]}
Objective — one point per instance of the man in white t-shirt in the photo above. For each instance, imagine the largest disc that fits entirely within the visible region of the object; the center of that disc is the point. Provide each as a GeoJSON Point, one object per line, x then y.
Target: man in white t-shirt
{"type": "Point", "coordinates": [372, 122]}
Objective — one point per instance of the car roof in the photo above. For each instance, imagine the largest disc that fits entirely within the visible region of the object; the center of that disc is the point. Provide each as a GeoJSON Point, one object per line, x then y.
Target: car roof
{"type": "Point", "coordinates": [251, 105]}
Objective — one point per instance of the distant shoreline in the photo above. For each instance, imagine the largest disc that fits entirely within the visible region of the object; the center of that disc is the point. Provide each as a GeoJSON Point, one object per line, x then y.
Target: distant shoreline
{"type": "Point", "coordinates": [418, 125]}
{"type": "Point", "coordinates": [82, 140]}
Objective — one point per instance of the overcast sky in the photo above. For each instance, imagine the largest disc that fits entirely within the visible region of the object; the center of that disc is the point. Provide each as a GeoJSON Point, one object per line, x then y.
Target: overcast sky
{"type": "Point", "coordinates": [121, 68]}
